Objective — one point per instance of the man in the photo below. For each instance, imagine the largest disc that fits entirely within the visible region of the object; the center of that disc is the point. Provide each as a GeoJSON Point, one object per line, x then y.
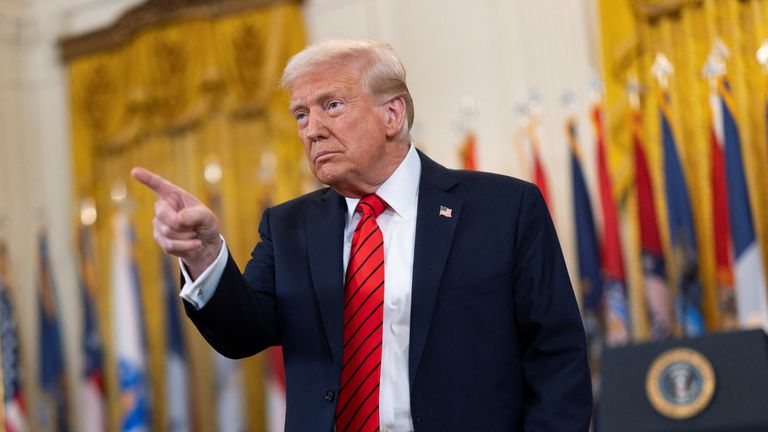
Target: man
{"type": "Point", "coordinates": [406, 296]}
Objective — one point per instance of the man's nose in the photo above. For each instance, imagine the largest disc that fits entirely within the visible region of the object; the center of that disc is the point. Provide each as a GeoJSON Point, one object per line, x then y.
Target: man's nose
{"type": "Point", "coordinates": [316, 127]}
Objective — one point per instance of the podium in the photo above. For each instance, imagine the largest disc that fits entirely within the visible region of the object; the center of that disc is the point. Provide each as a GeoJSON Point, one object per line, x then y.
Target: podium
{"type": "Point", "coordinates": [713, 383]}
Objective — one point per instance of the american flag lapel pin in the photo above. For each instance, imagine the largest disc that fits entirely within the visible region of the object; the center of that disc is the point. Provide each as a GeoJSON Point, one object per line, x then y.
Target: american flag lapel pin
{"type": "Point", "coordinates": [446, 212]}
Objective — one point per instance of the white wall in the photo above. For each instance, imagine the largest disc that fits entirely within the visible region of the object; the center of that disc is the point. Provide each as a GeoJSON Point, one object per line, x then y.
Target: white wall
{"type": "Point", "coordinates": [496, 52]}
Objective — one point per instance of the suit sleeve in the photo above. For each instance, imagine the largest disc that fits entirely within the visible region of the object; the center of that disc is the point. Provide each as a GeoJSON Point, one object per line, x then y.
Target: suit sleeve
{"type": "Point", "coordinates": [240, 319]}
{"type": "Point", "coordinates": [557, 384]}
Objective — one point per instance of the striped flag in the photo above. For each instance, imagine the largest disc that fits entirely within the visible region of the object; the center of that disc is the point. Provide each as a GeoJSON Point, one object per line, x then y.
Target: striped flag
{"type": "Point", "coordinates": [228, 382]}
{"type": "Point", "coordinates": [657, 293]}
{"type": "Point", "coordinates": [611, 255]}
{"type": "Point", "coordinates": [588, 254]}
{"type": "Point", "coordinates": [750, 281]}
{"type": "Point", "coordinates": [128, 331]}
{"type": "Point", "coordinates": [13, 405]}
{"type": "Point", "coordinates": [52, 412]}
{"type": "Point", "coordinates": [177, 396]}
{"type": "Point", "coordinates": [93, 395]}
{"type": "Point", "coordinates": [468, 151]}
{"type": "Point", "coordinates": [726, 293]}
{"type": "Point", "coordinates": [685, 261]}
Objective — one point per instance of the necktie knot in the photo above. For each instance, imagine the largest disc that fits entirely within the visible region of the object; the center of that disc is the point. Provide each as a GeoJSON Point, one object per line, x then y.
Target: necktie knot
{"type": "Point", "coordinates": [371, 205]}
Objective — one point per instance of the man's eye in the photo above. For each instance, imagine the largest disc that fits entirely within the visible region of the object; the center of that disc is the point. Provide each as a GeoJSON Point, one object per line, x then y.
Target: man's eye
{"type": "Point", "coordinates": [334, 104]}
{"type": "Point", "coordinates": [300, 116]}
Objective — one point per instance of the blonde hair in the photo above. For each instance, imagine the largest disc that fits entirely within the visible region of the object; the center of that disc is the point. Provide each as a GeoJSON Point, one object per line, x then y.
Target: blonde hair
{"type": "Point", "coordinates": [383, 74]}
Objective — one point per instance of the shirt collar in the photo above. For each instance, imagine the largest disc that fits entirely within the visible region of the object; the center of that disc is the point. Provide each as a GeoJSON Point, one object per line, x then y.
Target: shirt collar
{"type": "Point", "coordinates": [401, 189]}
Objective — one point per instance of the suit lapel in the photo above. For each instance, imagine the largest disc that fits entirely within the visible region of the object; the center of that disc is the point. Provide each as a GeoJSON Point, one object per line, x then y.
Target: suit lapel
{"type": "Point", "coordinates": [325, 234]}
{"type": "Point", "coordinates": [434, 234]}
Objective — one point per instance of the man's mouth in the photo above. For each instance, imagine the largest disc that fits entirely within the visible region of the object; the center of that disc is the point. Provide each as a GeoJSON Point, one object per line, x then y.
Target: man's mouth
{"type": "Point", "coordinates": [324, 155]}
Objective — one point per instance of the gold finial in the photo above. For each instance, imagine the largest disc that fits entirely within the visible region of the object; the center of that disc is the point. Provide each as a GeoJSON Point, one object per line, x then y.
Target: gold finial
{"type": "Point", "coordinates": [762, 54]}
{"type": "Point", "coordinates": [715, 66]}
{"type": "Point", "coordinates": [662, 69]}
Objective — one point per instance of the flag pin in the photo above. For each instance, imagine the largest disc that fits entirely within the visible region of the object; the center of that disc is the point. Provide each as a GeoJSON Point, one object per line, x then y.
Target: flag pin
{"type": "Point", "coordinates": [446, 212]}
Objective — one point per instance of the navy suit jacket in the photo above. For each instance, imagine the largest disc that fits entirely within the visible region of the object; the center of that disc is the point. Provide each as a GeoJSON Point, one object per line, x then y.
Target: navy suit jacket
{"type": "Point", "coordinates": [496, 339]}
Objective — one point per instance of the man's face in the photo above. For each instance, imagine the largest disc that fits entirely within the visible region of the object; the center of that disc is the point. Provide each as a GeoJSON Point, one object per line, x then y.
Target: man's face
{"type": "Point", "coordinates": [343, 130]}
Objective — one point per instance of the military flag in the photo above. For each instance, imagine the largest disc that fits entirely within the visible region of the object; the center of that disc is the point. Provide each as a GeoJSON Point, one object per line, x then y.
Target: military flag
{"type": "Point", "coordinates": [611, 256]}
{"type": "Point", "coordinates": [657, 295]}
{"type": "Point", "coordinates": [468, 151]}
{"type": "Point", "coordinates": [176, 386]}
{"type": "Point", "coordinates": [685, 260]}
{"type": "Point", "coordinates": [128, 332]}
{"type": "Point", "coordinates": [52, 414]}
{"type": "Point", "coordinates": [14, 418]}
{"type": "Point", "coordinates": [749, 277]}
{"type": "Point", "coordinates": [590, 277]}
{"type": "Point", "coordinates": [93, 395]}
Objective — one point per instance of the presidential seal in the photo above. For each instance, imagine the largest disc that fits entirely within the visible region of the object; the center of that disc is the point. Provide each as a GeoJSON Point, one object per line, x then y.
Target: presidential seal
{"type": "Point", "coordinates": [680, 383]}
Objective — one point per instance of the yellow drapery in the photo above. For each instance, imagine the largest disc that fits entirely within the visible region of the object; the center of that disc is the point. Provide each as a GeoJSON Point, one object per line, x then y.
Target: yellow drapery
{"type": "Point", "coordinates": [175, 97]}
{"type": "Point", "coordinates": [632, 32]}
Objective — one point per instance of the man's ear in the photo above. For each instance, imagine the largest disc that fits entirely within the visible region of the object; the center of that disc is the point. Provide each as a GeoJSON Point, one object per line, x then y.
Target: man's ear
{"type": "Point", "coordinates": [395, 112]}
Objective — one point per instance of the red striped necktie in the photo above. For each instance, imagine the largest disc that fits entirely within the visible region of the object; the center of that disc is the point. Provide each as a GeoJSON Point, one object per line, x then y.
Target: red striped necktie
{"type": "Point", "coordinates": [358, 405]}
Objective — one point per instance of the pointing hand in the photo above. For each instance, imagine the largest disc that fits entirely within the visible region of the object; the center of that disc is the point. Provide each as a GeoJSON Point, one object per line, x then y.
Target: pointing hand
{"type": "Point", "coordinates": [183, 226]}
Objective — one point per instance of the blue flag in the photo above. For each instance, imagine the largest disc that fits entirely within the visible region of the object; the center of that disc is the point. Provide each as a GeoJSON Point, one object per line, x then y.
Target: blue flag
{"type": "Point", "coordinates": [53, 409]}
{"type": "Point", "coordinates": [590, 275]}
{"type": "Point", "coordinates": [685, 261]}
{"type": "Point", "coordinates": [177, 399]}
{"type": "Point", "coordinates": [13, 395]}
{"type": "Point", "coordinates": [93, 397]}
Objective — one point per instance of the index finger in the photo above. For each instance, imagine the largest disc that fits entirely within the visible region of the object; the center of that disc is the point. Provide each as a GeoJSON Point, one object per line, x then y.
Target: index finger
{"type": "Point", "coordinates": [158, 184]}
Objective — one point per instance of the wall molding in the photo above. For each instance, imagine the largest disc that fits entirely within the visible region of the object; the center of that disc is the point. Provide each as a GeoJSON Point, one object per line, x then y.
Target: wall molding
{"type": "Point", "coordinates": [152, 13]}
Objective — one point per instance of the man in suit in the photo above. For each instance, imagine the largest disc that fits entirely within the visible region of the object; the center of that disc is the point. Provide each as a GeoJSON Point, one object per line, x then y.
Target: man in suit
{"type": "Point", "coordinates": [406, 296]}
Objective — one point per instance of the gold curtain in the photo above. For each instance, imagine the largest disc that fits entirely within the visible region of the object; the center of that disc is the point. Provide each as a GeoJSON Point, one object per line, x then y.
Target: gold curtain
{"type": "Point", "coordinates": [173, 98]}
{"type": "Point", "coordinates": [632, 32]}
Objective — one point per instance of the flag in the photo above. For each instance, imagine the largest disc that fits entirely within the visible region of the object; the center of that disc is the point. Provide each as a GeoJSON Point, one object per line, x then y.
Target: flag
{"type": "Point", "coordinates": [657, 294]}
{"type": "Point", "coordinates": [52, 372]}
{"type": "Point", "coordinates": [275, 390]}
{"type": "Point", "coordinates": [128, 330]}
{"type": "Point", "coordinates": [229, 394]}
{"type": "Point", "coordinates": [539, 176]}
{"type": "Point", "coordinates": [685, 265]}
{"type": "Point", "coordinates": [93, 395]}
{"type": "Point", "coordinates": [469, 152]}
{"type": "Point", "coordinates": [177, 396]}
{"type": "Point", "coordinates": [611, 255]}
{"type": "Point", "coordinates": [14, 410]}
{"type": "Point", "coordinates": [726, 294]}
{"type": "Point", "coordinates": [228, 380]}
{"type": "Point", "coordinates": [588, 254]}
{"type": "Point", "coordinates": [750, 281]}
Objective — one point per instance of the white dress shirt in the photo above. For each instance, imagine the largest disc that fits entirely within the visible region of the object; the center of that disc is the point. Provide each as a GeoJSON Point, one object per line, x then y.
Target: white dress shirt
{"type": "Point", "coordinates": [398, 227]}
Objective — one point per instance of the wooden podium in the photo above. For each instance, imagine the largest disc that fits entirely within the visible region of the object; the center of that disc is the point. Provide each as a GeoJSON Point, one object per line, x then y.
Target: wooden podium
{"type": "Point", "coordinates": [712, 383]}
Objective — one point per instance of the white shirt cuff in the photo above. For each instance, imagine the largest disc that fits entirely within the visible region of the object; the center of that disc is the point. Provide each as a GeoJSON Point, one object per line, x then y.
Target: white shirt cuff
{"type": "Point", "coordinates": [198, 292]}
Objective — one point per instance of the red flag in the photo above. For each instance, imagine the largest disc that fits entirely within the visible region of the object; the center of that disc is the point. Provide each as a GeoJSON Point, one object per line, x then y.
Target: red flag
{"type": "Point", "coordinates": [611, 255]}
{"type": "Point", "coordinates": [654, 271]}
{"type": "Point", "coordinates": [539, 176]}
{"type": "Point", "coordinates": [469, 152]}
{"type": "Point", "coordinates": [722, 230]}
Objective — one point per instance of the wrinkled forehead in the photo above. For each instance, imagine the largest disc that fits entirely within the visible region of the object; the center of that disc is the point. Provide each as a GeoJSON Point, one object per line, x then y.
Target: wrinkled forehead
{"type": "Point", "coordinates": [326, 78]}
{"type": "Point", "coordinates": [342, 67]}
